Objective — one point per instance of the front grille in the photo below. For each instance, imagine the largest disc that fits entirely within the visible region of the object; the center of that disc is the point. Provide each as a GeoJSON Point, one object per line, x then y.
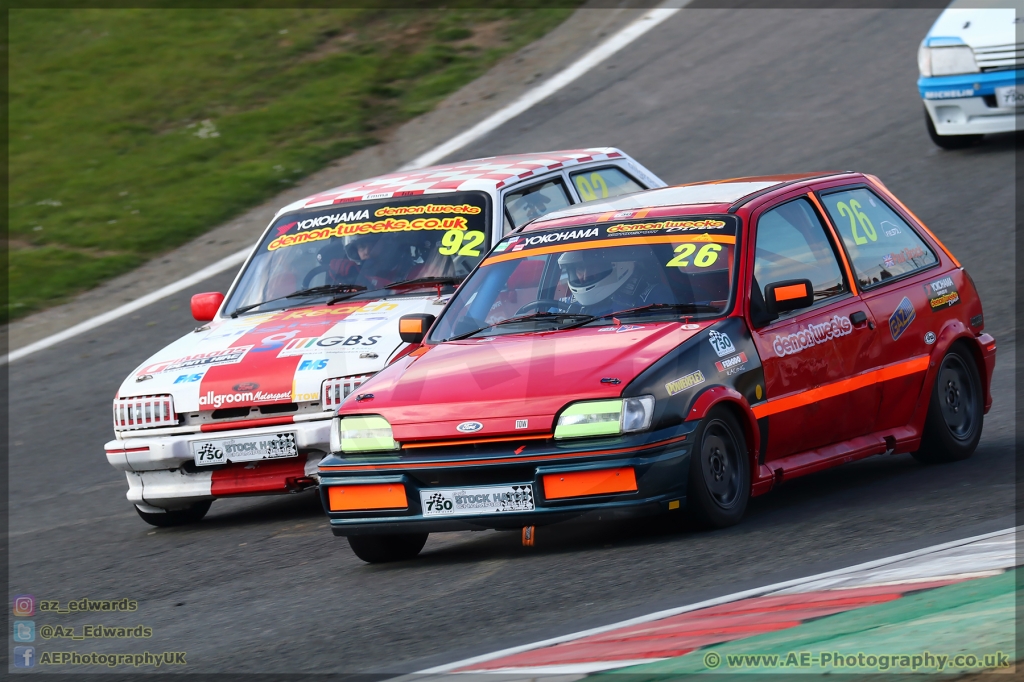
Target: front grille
{"type": "Point", "coordinates": [144, 412]}
{"type": "Point", "coordinates": [336, 390]}
{"type": "Point", "coordinates": [1000, 57]}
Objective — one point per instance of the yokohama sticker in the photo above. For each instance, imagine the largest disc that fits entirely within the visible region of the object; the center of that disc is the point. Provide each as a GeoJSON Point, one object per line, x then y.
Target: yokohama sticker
{"type": "Point", "coordinates": [228, 356]}
{"type": "Point", "coordinates": [813, 335]}
{"type": "Point", "coordinates": [901, 318]}
{"type": "Point", "coordinates": [942, 294]}
{"type": "Point", "coordinates": [685, 382]}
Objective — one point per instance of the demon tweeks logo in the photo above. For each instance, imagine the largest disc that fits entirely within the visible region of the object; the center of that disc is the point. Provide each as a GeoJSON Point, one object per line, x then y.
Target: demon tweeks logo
{"type": "Point", "coordinates": [812, 335]}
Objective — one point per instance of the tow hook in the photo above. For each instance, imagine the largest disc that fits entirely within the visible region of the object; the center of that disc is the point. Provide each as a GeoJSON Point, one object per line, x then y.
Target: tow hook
{"type": "Point", "coordinates": [298, 484]}
{"type": "Point", "coordinates": [529, 535]}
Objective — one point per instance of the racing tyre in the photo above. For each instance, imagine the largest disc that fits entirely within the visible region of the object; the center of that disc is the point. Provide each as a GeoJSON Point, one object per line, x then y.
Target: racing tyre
{"type": "Point", "coordinates": [955, 412]}
{"type": "Point", "coordinates": [949, 141]}
{"type": "Point", "coordinates": [177, 517]}
{"type": "Point", "coordinates": [378, 549]}
{"type": "Point", "coordinates": [719, 484]}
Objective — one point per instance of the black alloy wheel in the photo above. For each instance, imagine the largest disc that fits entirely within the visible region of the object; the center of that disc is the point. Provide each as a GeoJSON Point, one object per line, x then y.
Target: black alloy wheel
{"type": "Point", "coordinates": [719, 485]}
{"type": "Point", "coordinates": [952, 428]}
{"type": "Point", "coordinates": [378, 549]}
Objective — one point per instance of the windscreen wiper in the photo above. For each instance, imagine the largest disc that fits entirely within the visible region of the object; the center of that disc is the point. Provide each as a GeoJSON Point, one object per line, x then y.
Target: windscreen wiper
{"type": "Point", "coordinates": [312, 291]}
{"type": "Point", "coordinates": [425, 281]}
{"type": "Point", "coordinates": [540, 315]}
{"type": "Point", "coordinates": [673, 307]}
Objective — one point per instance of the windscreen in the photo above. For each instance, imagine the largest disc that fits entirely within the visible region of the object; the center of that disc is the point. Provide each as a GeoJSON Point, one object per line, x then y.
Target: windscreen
{"type": "Point", "coordinates": [368, 245]}
{"type": "Point", "coordinates": [594, 274]}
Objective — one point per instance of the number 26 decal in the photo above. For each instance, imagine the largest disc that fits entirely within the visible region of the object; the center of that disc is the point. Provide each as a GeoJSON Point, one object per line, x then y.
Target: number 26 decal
{"type": "Point", "coordinates": [706, 257]}
{"type": "Point", "coordinates": [463, 243]}
{"type": "Point", "coordinates": [853, 212]}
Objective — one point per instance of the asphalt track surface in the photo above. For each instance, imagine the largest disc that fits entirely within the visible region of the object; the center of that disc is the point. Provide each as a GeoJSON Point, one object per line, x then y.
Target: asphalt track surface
{"type": "Point", "coordinates": [262, 586]}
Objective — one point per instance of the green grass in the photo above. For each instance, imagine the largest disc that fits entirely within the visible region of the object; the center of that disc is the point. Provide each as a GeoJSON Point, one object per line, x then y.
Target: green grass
{"type": "Point", "coordinates": [134, 131]}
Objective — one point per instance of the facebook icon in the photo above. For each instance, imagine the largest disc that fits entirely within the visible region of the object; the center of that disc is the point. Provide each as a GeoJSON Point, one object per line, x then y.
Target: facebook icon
{"type": "Point", "coordinates": [24, 656]}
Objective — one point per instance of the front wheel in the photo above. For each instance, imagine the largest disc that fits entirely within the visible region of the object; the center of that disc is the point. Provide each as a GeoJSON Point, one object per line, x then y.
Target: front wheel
{"type": "Point", "coordinates": [949, 141]}
{"type": "Point", "coordinates": [378, 549]}
{"type": "Point", "coordinates": [952, 428]}
{"type": "Point", "coordinates": [176, 517]}
{"type": "Point", "coordinates": [719, 485]}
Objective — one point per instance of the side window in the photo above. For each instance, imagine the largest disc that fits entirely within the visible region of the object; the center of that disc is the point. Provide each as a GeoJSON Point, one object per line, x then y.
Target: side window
{"type": "Point", "coordinates": [603, 183]}
{"type": "Point", "coordinates": [791, 244]}
{"type": "Point", "coordinates": [880, 243]}
{"type": "Point", "coordinates": [531, 202]}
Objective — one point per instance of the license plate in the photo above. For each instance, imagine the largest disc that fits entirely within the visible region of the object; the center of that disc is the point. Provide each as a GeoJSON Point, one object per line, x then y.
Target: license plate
{"type": "Point", "coordinates": [1010, 96]}
{"type": "Point", "coordinates": [463, 501]}
{"type": "Point", "coordinates": [244, 449]}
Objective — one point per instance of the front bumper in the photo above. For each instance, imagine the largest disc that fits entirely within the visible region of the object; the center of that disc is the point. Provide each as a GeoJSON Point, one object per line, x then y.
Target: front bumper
{"type": "Point", "coordinates": [660, 462]}
{"type": "Point", "coordinates": [966, 104]}
{"type": "Point", "coordinates": [161, 470]}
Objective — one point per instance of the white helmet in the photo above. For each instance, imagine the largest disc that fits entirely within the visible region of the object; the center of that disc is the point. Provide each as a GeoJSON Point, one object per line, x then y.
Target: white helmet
{"type": "Point", "coordinates": [601, 277]}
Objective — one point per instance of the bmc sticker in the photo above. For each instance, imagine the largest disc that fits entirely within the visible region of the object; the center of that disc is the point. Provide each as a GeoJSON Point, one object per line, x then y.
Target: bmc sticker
{"type": "Point", "coordinates": [901, 318]}
{"type": "Point", "coordinates": [942, 294]}
{"type": "Point", "coordinates": [721, 343]}
{"type": "Point", "coordinates": [685, 382]}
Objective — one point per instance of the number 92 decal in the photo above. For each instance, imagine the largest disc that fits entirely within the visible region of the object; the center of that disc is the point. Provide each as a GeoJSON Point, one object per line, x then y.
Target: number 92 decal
{"type": "Point", "coordinates": [460, 242]}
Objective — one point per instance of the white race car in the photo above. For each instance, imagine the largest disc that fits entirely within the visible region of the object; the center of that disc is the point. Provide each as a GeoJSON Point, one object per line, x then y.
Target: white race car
{"type": "Point", "coordinates": [970, 64]}
{"type": "Point", "coordinates": [243, 404]}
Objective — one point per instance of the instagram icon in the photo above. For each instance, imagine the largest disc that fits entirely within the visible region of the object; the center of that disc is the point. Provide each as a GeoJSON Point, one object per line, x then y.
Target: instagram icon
{"type": "Point", "coordinates": [24, 605]}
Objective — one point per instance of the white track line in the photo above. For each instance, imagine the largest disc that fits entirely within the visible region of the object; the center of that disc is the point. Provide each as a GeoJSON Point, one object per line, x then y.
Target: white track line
{"type": "Point", "coordinates": [549, 87]}
{"type": "Point", "coordinates": [588, 61]}
{"type": "Point", "coordinates": [130, 307]}
{"type": "Point", "coordinates": [658, 615]}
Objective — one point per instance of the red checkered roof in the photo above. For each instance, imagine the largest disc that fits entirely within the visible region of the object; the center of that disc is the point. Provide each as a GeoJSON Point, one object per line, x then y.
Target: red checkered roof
{"type": "Point", "coordinates": [490, 173]}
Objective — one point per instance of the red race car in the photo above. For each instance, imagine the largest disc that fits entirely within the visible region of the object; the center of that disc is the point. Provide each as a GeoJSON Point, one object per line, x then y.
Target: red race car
{"type": "Point", "coordinates": [686, 347]}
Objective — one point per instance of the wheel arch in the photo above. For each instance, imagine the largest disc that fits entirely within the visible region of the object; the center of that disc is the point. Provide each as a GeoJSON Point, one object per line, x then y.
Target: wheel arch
{"type": "Point", "coordinates": [730, 399]}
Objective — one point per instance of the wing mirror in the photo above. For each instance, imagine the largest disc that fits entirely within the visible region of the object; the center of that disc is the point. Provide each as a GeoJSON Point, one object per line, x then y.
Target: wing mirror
{"type": "Point", "coordinates": [790, 294]}
{"type": "Point", "coordinates": [413, 328]}
{"type": "Point", "coordinates": [205, 306]}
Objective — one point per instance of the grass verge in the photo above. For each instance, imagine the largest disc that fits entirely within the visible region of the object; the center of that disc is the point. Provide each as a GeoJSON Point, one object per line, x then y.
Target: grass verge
{"type": "Point", "coordinates": [134, 131]}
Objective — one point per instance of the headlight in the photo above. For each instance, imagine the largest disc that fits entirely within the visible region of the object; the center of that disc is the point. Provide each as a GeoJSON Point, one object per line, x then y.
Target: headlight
{"type": "Point", "coordinates": [946, 61]}
{"type": "Point", "coordinates": [362, 434]}
{"type": "Point", "coordinates": [605, 417]}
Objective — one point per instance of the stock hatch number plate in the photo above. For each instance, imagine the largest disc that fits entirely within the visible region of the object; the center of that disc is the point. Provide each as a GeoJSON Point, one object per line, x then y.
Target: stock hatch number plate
{"type": "Point", "coordinates": [244, 449]}
{"type": "Point", "coordinates": [463, 501]}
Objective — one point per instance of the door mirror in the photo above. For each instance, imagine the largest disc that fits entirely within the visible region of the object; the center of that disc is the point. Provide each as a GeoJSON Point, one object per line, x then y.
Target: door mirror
{"type": "Point", "coordinates": [790, 294]}
{"type": "Point", "coordinates": [205, 306]}
{"type": "Point", "coordinates": [413, 328]}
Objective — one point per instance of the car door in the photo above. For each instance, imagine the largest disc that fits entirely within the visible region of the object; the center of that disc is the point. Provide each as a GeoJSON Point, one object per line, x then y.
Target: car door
{"type": "Point", "coordinates": [811, 355]}
{"type": "Point", "coordinates": [886, 256]}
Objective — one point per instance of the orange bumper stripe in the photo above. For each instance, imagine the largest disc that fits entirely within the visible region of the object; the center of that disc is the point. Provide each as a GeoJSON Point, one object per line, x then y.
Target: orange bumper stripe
{"type": "Point", "coordinates": [791, 402]}
{"type": "Point", "coordinates": [583, 483]}
{"type": "Point", "coordinates": [372, 496]}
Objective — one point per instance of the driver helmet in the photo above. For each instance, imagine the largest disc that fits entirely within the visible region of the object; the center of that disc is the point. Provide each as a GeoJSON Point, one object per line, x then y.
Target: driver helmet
{"type": "Point", "coordinates": [364, 243]}
{"type": "Point", "coordinates": [593, 277]}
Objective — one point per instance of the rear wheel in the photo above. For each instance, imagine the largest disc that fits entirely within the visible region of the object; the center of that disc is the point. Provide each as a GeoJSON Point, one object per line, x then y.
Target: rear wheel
{"type": "Point", "coordinates": [378, 549]}
{"type": "Point", "coordinates": [719, 485]}
{"type": "Point", "coordinates": [176, 517]}
{"type": "Point", "coordinates": [955, 412]}
{"type": "Point", "coordinates": [949, 141]}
